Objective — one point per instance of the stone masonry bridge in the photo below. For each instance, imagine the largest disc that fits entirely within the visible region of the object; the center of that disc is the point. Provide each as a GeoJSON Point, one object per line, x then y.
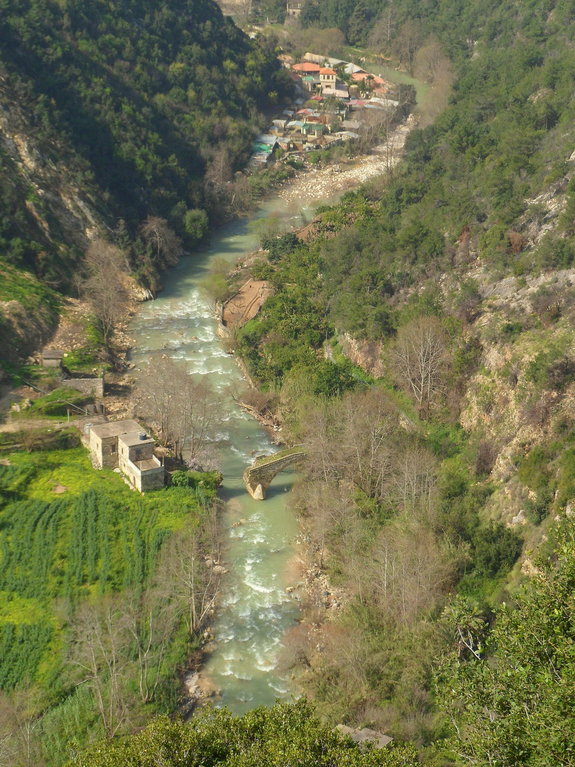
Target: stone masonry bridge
{"type": "Point", "coordinates": [259, 475]}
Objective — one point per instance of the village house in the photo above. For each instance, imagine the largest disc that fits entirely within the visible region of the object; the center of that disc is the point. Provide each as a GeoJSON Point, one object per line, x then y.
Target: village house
{"type": "Point", "coordinates": [306, 68]}
{"type": "Point", "coordinates": [327, 104]}
{"type": "Point", "coordinates": [125, 445]}
{"type": "Point", "coordinates": [52, 358]}
{"type": "Point", "coordinates": [311, 83]}
{"type": "Point", "coordinates": [294, 8]}
{"type": "Point", "coordinates": [263, 150]}
{"type": "Point", "coordinates": [327, 77]}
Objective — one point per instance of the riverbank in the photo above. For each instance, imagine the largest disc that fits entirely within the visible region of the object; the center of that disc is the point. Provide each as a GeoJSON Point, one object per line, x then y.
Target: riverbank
{"type": "Point", "coordinates": [179, 324]}
{"type": "Point", "coordinates": [321, 185]}
{"type": "Point", "coordinates": [319, 602]}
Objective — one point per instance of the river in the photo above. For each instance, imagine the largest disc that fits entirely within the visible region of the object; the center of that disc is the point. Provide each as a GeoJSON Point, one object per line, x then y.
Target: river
{"type": "Point", "coordinates": [258, 607]}
{"type": "Point", "coordinates": [256, 610]}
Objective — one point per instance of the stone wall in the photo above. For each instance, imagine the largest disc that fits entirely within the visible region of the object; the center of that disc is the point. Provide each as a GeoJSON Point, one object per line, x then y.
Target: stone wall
{"type": "Point", "coordinates": [92, 386]}
{"type": "Point", "coordinates": [153, 480]}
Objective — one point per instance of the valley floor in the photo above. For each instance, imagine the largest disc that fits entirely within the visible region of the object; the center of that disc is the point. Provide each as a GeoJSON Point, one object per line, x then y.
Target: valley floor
{"type": "Point", "coordinates": [321, 185]}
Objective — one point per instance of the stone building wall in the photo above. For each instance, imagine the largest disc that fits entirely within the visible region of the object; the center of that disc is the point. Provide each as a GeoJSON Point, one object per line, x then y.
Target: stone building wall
{"type": "Point", "coordinates": [92, 386]}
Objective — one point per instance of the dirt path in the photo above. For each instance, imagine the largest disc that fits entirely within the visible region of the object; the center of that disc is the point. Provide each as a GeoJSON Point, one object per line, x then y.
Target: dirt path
{"type": "Point", "coordinates": [246, 303]}
{"type": "Point", "coordinates": [25, 424]}
{"type": "Point", "coordinates": [320, 185]}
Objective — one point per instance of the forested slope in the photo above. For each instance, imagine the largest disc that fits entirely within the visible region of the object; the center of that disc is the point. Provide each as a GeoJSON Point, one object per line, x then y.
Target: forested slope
{"type": "Point", "coordinates": [441, 473]}
{"type": "Point", "coordinates": [115, 112]}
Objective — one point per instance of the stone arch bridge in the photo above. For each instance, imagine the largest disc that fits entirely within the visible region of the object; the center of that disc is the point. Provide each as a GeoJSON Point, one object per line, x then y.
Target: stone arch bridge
{"type": "Point", "coordinates": [260, 474]}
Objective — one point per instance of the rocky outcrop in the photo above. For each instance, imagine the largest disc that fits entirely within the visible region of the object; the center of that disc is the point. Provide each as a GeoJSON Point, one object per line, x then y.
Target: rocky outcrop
{"type": "Point", "coordinates": [62, 212]}
{"type": "Point", "coordinates": [365, 736]}
{"type": "Point", "coordinates": [364, 354]}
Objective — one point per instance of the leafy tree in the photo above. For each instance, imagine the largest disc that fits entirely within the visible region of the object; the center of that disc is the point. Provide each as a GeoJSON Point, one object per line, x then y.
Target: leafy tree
{"type": "Point", "coordinates": [196, 224]}
{"type": "Point", "coordinates": [283, 734]}
{"type": "Point", "coordinates": [515, 705]}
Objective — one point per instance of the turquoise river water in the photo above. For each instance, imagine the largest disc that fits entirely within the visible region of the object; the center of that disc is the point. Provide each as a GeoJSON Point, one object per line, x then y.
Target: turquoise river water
{"type": "Point", "coordinates": [255, 610]}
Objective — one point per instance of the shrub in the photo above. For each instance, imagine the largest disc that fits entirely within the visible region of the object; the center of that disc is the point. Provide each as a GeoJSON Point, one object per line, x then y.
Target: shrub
{"type": "Point", "coordinates": [546, 305]}
{"type": "Point", "coordinates": [495, 549]}
{"type": "Point", "coordinates": [278, 247]}
{"type": "Point", "coordinates": [551, 370]}
{"type": "Point", "coordinates": [485, 457]}
{"type": "Point", "coordinates": [209, 480]}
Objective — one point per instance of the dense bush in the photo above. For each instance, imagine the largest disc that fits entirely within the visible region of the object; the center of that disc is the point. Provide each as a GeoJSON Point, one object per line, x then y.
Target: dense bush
{"type": "Point", "coordinates": [281, 735]}
{"type": "Point", "coordinates": [210, 480]}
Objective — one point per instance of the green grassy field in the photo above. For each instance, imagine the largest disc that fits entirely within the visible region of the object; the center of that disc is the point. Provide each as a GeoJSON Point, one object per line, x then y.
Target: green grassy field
{"type": "Point", "coordinates": [70, 533]}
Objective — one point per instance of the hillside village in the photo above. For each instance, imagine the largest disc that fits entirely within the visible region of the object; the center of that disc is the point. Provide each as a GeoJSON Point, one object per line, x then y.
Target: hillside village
{"type": "Point", "coordinates": [337, 101]}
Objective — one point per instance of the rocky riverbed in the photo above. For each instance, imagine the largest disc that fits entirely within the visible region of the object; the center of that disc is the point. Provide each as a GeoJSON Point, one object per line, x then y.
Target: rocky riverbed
{"type": "Point", "coordinates": [322, 184]}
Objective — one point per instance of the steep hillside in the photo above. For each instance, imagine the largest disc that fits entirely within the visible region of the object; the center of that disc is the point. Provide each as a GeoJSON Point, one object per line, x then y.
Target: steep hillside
{"type": "Point", "coordinates": [120, 111]}
{"type": "Point", "coordinates": [421, 347]}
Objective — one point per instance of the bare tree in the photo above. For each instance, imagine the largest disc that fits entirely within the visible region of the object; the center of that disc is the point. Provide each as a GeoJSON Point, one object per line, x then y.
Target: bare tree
{"type": "Point", "coordinates": [155, 396]}
{"type": "Point", "coordinates": [414, 480]}
{"type": "Point", "coordinates": [374, 127]}
{"type": "Point", "coordinates": [151, 621]}
{"type": "Point", "coordinates": [367, 442]}
{"type": "Point", "coordinates": [410, 571]}
{"type": "Point", "coordinates": [100, 652]}
{"type": "Point", "coordinates": [165, 243]}
{"type": "Point", "coordinates": [432, 65]}
{"type": "Point", "coordinates": [382, 30]}
{"type": "Point", "coordinates": [187, 575]}
{"type": "Point", "coordinates": [407, 42]}
{"type": "Point", "coordinates": [181, 408]}
{"type": "Point", "coordinates": [218, 176]}
{"type": "Point", "coordinates": [429, 60]}
{"type": "Point", "coordinates": [420, 359]}
{"type": "Point", "coordinates": [104, 288]}
{"type": "Point", "coordinates": [19, 730]}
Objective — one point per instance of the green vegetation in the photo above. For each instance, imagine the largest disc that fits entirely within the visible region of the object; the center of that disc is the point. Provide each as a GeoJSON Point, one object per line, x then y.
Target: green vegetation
{"type": "Point", "coordinates": [148, 109]}
{"type": "Point", "coordinates": [39, 439]}
{"type": "Point", "coordinates": [437, 497]}
{"type": "Point", "coordinates": [516, 708]}
{"type": "Point", "coordinates": [86, 569]}
{"type": "Point", "coordinates": [58, 402]}
{"type": "Point", "coordinates": [424, 488]}
{"type": "Point", "coordinates": [283, 734]}
{"type": "Point", "coordinates": [197, 479]}
{"type": "Point", "coordinates": [22, 297]}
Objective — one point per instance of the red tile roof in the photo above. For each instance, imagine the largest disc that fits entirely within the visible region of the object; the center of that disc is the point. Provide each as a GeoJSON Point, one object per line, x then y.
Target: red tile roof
{"type": "Point", "coordinates": [306, 66]}
{"type": "Point", "coordinates": [327, 71]}
{"type": "Point", "coordinates": [374, 79]}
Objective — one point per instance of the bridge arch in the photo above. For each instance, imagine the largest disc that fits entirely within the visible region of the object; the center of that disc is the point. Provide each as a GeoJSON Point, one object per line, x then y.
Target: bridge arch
{"type": "Point", "coordinates": [260, 474]}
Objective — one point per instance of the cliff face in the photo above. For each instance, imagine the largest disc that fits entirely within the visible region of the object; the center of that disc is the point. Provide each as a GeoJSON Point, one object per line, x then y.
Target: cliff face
{"type": "Point", "coordinates": [518, 403]}
{"type": "Point", "coordinates": [61, 204]}
{"type": "Point", "coordinates": [50, 209]}
{"type": "Point", "coordinates": [113, 114]}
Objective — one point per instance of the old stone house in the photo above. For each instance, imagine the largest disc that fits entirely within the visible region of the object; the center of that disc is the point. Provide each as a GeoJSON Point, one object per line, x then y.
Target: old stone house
{"type": "Point", "coordinates": [327, 78]}
{"type": "Point", "coordinates": [52, 358]}
{"type": "Point", "coordinates": [294, 8]}
{"type": "Point", "coordinates": [125, 445]}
